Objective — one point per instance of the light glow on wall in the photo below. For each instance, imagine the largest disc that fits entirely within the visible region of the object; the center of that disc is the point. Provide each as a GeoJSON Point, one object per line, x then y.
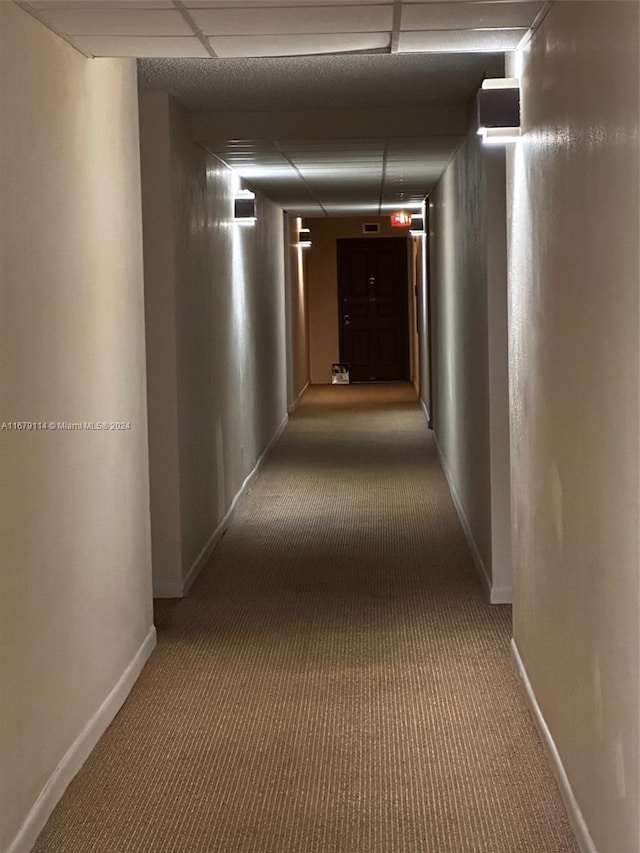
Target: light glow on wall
{"type": "Point", "coordinates": [241, 239]}
{"type": "Point", "coordinates": [300, 257]}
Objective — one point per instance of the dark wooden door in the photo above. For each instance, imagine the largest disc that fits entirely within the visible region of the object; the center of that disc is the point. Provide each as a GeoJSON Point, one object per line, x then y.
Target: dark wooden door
{"type": "Point", "coordinates": [373, 308]}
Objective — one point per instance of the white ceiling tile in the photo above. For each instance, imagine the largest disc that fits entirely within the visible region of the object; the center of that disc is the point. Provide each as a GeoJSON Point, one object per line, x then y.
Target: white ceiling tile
{"type": "Point", "coordinates": [302, 45]}
{"type": "Point", "coordinates": [424, 145]}
{"type": "Point", "coordinates": [335, 147]}
{"type": "Point", "coordinates": [338, 161]}
{"type": "Point", "coordinates": [465, 15]}
{"type": "Point", "coordinates": [443, 41]}
{"type": "Point", "coordinates": [106, 4]}
{"type": "Point", "coordinates": [117, 22]}
{"type": "Point", "coordinates": [140, 46]}
{"type": "Point", "coordinates": [291, 21]}
{"type": "Point", "coordinates": [353, 209]}
{"type": "Point", "coordinates": [267, 4]}
{"type": "Point", "coordinates": [331, 182]}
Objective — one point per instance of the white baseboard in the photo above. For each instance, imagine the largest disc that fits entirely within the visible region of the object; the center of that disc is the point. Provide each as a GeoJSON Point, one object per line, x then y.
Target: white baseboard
{"type": "Point", "coordinates": [583, 836]}
{"type": "Point", "coordinates": [501, 595]}
{"type": "Point", "coordinates": [291, 409]}
{"type": "Point", "coordinates": [480, 566]}
{"type": "Point", "coordinates": [168, 589]}
{"type": "Point", "coordinates": [80, 750]}
{"type": "Point", "coordinates": [216, 536]}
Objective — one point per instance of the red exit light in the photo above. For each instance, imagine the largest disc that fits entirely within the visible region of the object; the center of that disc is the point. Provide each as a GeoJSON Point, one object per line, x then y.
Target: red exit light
{"type": "Point", "coordinates": [400, 219]}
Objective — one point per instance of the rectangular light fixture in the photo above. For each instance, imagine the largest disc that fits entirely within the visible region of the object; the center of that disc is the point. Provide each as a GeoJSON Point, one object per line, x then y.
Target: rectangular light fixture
{"type": "Point", "coordinates": [498, 110]}
{"type": "Point", "coordinates": [244, 207]}
{"type": "Point", "coordinates": [417, 225]}
{"type": "Point", "coordinates": [304, 238]}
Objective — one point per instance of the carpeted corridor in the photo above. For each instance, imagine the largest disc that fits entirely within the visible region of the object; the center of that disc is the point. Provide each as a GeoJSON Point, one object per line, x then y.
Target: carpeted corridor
{"type": "Point", "coordinates": [335, 681]}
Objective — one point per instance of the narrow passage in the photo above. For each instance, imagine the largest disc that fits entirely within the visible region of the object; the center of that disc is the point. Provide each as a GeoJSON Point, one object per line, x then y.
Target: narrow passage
{"type": "Point", "coordinates": [335, 682]}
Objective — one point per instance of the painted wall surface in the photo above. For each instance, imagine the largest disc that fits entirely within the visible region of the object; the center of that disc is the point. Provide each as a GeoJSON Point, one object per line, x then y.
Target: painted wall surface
{"type": "Point", "coordinates": [470, 389]}
{"type": "Point", "coordinates": [161, 338]}
{"type": "Point", "coordinates": [222, 302]}
{"type": "Point", "coordinates": [322, 284]}
{"type": "Point", "coordinates": [574, 323]}
{"type": "Point", "coordinates": [297, 313]}
{"type": "Point", "coordinates": [75, 607]}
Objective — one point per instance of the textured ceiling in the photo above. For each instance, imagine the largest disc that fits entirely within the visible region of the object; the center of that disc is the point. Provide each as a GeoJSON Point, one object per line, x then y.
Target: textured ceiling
{"type": "Point", "coordinates": [330, 135]}
{"type": "Point", "coordinates": [317, 82]}
{"type": "Point", "coordinates": [327, 106]}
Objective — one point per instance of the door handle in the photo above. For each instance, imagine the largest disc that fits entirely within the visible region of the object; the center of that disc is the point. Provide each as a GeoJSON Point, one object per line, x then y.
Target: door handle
{"type": "Point", "coordinates": [347, 320]}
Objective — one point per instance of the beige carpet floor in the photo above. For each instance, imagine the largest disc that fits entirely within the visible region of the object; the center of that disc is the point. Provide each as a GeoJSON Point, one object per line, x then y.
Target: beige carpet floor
{"type": "Point", "coordinates": [335, 682]}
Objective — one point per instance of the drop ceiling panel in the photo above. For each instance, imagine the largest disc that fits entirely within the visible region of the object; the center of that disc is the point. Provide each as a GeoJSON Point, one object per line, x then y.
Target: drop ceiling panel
{"type": "Point", "coordinates": [370, 209]}
{"type": "Point", "coordinates": [424, 145]}
{"type": "Point", "coordinates": [333, 177]}
{"type": "Point", "coordinates": [324, 159]}
{"type": "Point", "coordinates": [293, 21]}
{"type": "Point", "coordinates": [328, 188]}
{"type": "Point", "coordinates": [332, 155]}
{"type": "Point", "coordinates": [332, 196]}
{"type": "Point", "coordinates": [290, 28]}
{"type": "Point", "coordinates": [461, 40]}
{"type": "Point", "coordinates": [314, 176]}
{"type": "Point", "coordinates": [261, 4]}
{"type": "Point", "coordinates": [93, 4]}
{"type": "Point", "coordinates": [299, 45]}
{"type": "Point", "coordinates": [465, 15]}
{"type": "Point", "coordinates": [118, 22]}
{"type": "Point", "coordinates": [140, 46]}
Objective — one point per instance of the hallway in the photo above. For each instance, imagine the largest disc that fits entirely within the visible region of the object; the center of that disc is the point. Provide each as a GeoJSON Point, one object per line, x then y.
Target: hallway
{"type": "Point", "coordinates": [335, 682]}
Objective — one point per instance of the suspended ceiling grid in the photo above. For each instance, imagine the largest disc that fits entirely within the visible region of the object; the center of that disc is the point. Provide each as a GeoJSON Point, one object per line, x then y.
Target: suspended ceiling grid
{"type": "Point", "coordinates": [328, 107]}
{"type": "Point", "coordinates": [235, 28]}
{"type": "Point", "coordinates": [330, 135]}
{"type": "Point", "coordinates": [324, 177]}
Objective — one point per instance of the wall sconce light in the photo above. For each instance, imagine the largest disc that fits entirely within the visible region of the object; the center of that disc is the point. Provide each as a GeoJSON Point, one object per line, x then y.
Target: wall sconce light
{"type": "Point", "coordinates": [244, 207]}
{"type": "Point", "coordinates": [498, 109]}
{"type": "Point", "coordinates": [400, 219]}
{"type": "Point", "coordinates": [304, 238]}
{"type": "Point", "coordinates": [417, 225]}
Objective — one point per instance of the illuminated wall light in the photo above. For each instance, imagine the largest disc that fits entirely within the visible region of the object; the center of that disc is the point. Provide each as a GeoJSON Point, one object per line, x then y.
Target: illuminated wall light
{"type": "Point", "coordinates": [500, 135]}
{"type": "Point", "coordinates": [304, 238]}
{"type": "Point", "coordinates": [244, 207]}
{"type": "Point", "coordinates": [498, 110]}
{"type": "Point", "coordinates": [417, 225]}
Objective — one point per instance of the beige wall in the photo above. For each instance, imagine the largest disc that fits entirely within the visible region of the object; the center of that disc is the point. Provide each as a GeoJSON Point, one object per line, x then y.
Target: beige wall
{"type": "Point", "coordinates": [215, 340]}
{"type": "Point", "coordinates": [161, 339]}
{"type": "Point", "coordinates": [297, 313]}
{"type": "Point", "coordinates": [75, 608]}
{"type": "Point", "coordinates": [322, 284]}
{"type": "Point", "coordinates": [470, 390]}
{"type": "Point", "coordinates": [574, 273]}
